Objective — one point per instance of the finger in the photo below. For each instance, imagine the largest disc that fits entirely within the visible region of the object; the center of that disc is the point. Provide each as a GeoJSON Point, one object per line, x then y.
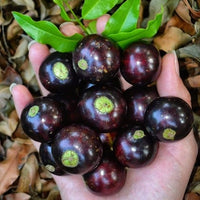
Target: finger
{"type": "Point", "coordinates": [37, 53]}
{"type": "Point", "coordinates": [169, 81]}
{"type": "Point", "coordinates": [22, 97]}
{"type": "Point", "coordinates": [69, 29]}
{"type": "Point", "coordinates": [101, 23]}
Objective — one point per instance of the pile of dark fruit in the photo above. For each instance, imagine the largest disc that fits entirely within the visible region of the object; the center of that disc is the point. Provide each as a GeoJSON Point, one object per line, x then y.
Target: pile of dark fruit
{"type": "Point", "coordinates": [89, 125]}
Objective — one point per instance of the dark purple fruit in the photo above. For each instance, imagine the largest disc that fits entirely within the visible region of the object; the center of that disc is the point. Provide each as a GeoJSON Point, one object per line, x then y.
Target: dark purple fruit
{"type": "Point", "coordinates": [103, 108]}
{"type": "Point", "coordinates": [108, 178]}
{"type": "Point", "coordinates": [77, 149]}
{"type": "Point", "coordinates": [48, 160]}
{"type": "Point", "coordinates": [108, 138]}
{"type": "Point", "coordinates": [56, 73]}
{"type": "Point", "coordinates": [141, 64]}
{"type": "Point", "coordinates": [96, 59]}
{"type": "Point", "coordinates": [114, 82]}
{"type": "Point", "coordinates": [42, 118]}
{"type": "Point", "coordinates": [134, 147]}
{"type": "Point", "coordinates": [69, 100]}
{"type": "Point", "coordinates": [138, 98]}
{"type": "Point", "coordinates": [168, 118]}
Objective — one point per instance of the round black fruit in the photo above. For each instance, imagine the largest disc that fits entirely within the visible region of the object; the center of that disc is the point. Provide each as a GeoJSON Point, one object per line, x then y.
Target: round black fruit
{"type": "Point", "coordinates": [134, 147]}
{"type": "Point", "coordinates": [103, 107]}
{"type": "Point", "coordinates": [69, 100]}
{"type": "Point", "coordinates": [168, 118]}
{"type": "Point", "coordinates": [56, 73]}
{"type": "Point", "coordinates": [108, 178]}
{"type": "Point", "coordinates": [45, 152]}
{"type": "Point", "coordinates": [77, 149]}
{"type": "Point", "coordinates": [96, 59]}
{"type": "Point", "coordinates": [42, 118]}
{"type": "Point", "coordinates": [138, 98]}
{"type": "Point", "coordinates": [141, 64]}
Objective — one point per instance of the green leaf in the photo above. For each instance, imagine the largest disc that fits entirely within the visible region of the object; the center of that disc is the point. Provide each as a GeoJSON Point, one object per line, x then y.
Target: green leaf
{"type": "Point", "coordinates": [124, 39]}
{"type": "Point", "coordinates": [93, 9]}
{"type": "Point", "coordinates": [92, 27]}
{"type": "Point", "coordinates": [63, 13]}
{"type": "Point", "coordinates": [46, 32]}
{"type": "Point", "coordinates": [124, 19]}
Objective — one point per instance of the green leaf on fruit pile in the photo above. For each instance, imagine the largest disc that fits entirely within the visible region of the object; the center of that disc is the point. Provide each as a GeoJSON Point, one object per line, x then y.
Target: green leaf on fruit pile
{"type": "Point", "coordinates": [123, 39]}
{"type": "Point", "coordinates": [46, 32]}
{"type": "Point", "coordinates": [63, 13]}
{"type": "Point", "coordinates": [124, 19]}
{"type": "Point", "coordinates": [93, 9]}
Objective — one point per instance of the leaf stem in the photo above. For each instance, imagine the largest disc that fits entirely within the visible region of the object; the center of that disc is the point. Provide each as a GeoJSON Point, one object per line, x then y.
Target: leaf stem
{"type": "Point", "coordinates": [77, 19]}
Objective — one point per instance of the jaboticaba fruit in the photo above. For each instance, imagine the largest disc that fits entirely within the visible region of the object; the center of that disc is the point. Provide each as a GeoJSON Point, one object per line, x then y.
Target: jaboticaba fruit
{"type": "Point", "coordinates": [134, 147]}
{"type": "Point", "coordinates": [108, 178]}
{"type": "Point", "coordinates": [168, 118]}
{"type": "Point", "coordinates": [96, 58]}
{"type": "Point", "coordinates": [48, 160]}
{"type": "Point", "coordinates": [141, 64]}
{"type": "Point", "coordinates": [138, 98]}
{"type": "Point", "coordinates": [42, 118]}
{"type": "Point", "coordinates": [103, 108]}
{"type": "Point", "coordinates": [77, 149]}
{"type": "Point", "coordinates": [56, 73]}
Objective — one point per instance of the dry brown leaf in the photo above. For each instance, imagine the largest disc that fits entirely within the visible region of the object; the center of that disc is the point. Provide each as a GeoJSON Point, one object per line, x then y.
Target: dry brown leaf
{"type": "Point", "coordinates": [54, 194]}
{"type": "Point", "coordinates": [9, 124]}
{"type": "Point", "coordinates": [194, 81]}
{"type": "Point", "coordinates": [183, 12]}
{"type": "Point", "coordinates": [9, 168]}
{"type": "Point", "coordinates": [22, 49]}
{"type": "Point", "coordinates": [29, 4]}
{"type": "Point", "coordinates": [28, 175]}
{"type": "Point", "coordinates": [192, 196]}
{"type": "Point", "coordinates": [17, 196]}
{"type": "Point", "coordinates": [172, 39]}
{"type": "Point", "coordinates": [176, 21]}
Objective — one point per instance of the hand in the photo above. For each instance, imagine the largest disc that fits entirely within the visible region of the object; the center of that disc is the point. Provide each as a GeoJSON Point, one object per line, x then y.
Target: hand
{"type": "Point", "coordinates": [167, 176]}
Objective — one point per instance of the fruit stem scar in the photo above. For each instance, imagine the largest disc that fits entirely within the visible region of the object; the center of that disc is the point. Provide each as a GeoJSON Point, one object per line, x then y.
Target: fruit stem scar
{"type": "Point", "coordinates": [82, 64]}
{"type": "Point", "coordinates": [60, 71]}
{"type": "Point", "coordinates": [50, 168]}
{"type": "Point", "coordinates": [138, 134]}
{"type": "Point", "coordinates": [70, 158]}
{"type": "Point", "coordinates": [33, 111]}
{"type": "Point", "coordinates": [169, 134]}
{"type": "Point", "coordinates": [103, 104]}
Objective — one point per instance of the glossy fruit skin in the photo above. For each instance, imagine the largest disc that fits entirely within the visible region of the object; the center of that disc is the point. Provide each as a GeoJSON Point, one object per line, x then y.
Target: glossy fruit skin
{"type": "Point", "coordinates": [96, 59]}
{"type": "Point", "coordinates": [108, 138]}
{"type": "Point", "coordinates": [134, 147]}
{"type": "Point", "coordinates": [69, 100]}
{"type": "Point", "coordinates": [168, 118]}
{"type": "Point", "coordinates": [61, 79]}
{"type": "Point", "coordinates": [42, 118]}
{"type": "Point", "coordinates": [141, 64]}
{"type": "Point", "coordinates": [108, 178]}
{"type": "Point", "coordinates": [113, 82]}
{"type": "Point", "coordinates": [45, 152]}
{"type": "Point", "coordinates": [138, 98]}
{"type": "Point", "coordinates": [100, 120]}
{"type": "Point", "coordinates": [83, 142]}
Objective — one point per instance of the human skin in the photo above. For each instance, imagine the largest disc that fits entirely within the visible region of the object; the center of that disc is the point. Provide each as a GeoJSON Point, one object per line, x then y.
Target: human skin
{"type": "Point", "coordinates": [166, 177]}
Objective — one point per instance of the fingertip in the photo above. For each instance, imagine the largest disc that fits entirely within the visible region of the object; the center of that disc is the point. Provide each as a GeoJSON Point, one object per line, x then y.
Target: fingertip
{"type": "Point", "coordinates": [69, 29]}
{"type": "Point", "coordinates": [101, 23]}
{"type": "Point", "coordinates": [37, 53]}
{"type": "Point", "coordinates": [21, 97]}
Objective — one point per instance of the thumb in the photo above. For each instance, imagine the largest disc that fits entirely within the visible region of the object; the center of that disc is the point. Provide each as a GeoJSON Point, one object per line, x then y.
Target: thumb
{"type": "Point", "coordinates": [169, 82]}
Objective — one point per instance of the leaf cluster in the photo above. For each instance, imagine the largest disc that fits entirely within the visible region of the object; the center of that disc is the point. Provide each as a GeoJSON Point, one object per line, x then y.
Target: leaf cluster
{"type": "Point", "coordinates": [121, 27]}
